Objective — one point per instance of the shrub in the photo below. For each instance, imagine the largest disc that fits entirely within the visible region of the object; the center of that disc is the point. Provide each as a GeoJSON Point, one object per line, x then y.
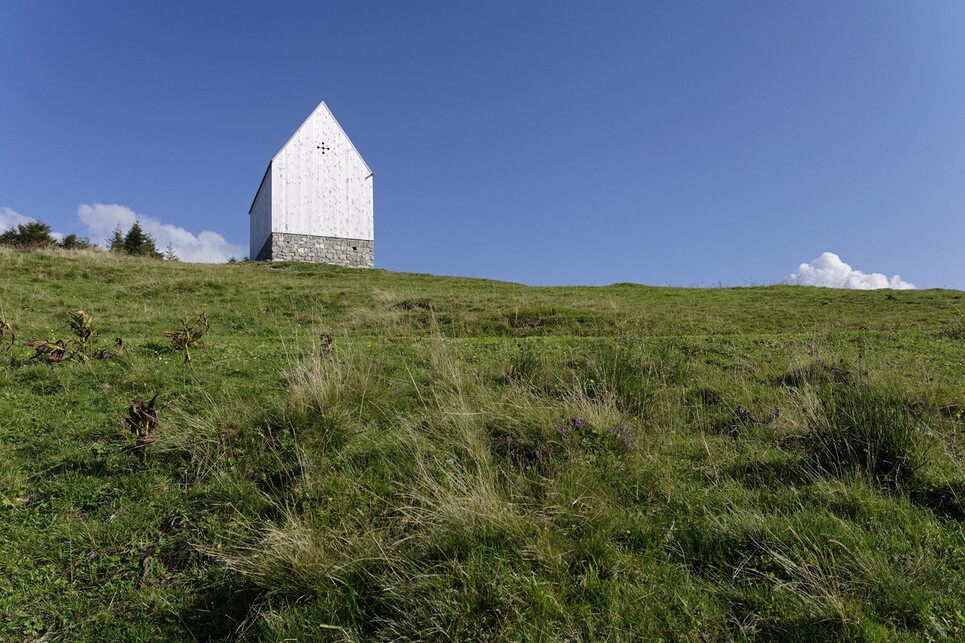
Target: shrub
{"type": "Point", "coordinates": [28, 236]}
{"type": "Point", "coordinates": [73, 242]}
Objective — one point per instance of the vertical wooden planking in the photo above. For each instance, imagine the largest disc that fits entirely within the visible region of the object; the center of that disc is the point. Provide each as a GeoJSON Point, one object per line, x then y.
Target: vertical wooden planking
{"type": "Point", "coordinates": [324, 187]}
{"type": "Point", "coordinates": [317, 185]}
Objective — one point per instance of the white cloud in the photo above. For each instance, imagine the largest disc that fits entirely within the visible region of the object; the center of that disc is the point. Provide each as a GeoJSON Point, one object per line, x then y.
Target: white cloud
{"type": "Point", "coordinates": [10, 217]}
{"type": "Point", "coordinates": [205, 247]}
{"type": "Point", "coordinates": [830, 272]}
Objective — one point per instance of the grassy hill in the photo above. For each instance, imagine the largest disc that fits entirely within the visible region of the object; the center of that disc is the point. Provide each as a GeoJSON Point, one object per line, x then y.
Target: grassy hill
{"type": "Point", "coordinates": [476, 460]}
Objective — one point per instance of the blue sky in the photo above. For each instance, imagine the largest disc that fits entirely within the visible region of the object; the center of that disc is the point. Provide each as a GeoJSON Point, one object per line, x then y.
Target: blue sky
{"type": "Point", "coordinates": [680, 143]}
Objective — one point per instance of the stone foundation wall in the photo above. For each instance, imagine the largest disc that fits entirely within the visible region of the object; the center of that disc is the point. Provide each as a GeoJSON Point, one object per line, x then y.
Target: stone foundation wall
{"type": "Point", "coordinates": [354, 253]}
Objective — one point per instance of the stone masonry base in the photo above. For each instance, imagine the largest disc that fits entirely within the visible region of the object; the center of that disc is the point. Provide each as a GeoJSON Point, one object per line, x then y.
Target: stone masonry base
{"type": "Point", "coordinates": [354, 253]}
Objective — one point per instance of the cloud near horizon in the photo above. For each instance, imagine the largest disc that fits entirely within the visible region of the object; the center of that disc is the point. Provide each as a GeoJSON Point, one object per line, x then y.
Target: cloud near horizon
{"type": "Point", "coordinates": [10, 218]}
{"type": "Point", "coordinates": [829, 271]}
{"type": "Point", "coordinates": [100, 220]}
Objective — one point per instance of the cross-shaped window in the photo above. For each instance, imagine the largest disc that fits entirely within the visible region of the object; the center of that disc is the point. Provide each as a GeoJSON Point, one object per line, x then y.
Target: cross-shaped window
{"type": "Point", "coordinates": [324, 148]}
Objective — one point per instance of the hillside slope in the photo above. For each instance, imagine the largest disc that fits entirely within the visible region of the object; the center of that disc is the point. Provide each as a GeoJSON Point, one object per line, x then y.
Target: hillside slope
{"type": "Point", "coordinates": [477, 460]}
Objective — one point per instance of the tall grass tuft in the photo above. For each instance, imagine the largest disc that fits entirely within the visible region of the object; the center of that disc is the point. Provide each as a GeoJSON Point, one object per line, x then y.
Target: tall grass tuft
{"type": "Point", "coordinates": [855, 428]}
{"type": "Point", "coordinates": [331, 392]}
{"type": "Point", "coordinates": [625, 375]}
{"type": "Point", "coordinates": [348, 572]}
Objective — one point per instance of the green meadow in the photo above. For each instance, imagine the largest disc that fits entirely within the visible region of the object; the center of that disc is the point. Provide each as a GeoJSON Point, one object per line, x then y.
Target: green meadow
{"type": "Point", "coordinates": [361, 455]}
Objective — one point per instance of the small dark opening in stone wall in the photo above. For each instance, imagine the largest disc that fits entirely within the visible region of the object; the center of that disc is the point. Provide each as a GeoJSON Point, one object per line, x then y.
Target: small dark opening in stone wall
{"type": "Point", "coordinates": [354, 248]}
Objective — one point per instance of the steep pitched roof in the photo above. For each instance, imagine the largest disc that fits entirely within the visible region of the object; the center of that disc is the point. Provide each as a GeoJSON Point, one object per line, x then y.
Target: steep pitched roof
{"type": "Point", "coordinates": [321, 106]}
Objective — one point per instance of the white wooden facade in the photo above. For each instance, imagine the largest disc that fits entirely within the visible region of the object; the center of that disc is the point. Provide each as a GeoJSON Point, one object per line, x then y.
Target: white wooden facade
{"type": "Point", "coordinates": [317, 185]}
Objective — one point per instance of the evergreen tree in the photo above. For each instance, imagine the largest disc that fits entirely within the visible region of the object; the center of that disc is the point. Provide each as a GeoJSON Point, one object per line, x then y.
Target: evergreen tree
{"type": "Point", "coordinates": [116, 242]}
{"type": "Point", "coordinates": [170, 254]}
{"type": "Point", "coordinates": [140, 243]}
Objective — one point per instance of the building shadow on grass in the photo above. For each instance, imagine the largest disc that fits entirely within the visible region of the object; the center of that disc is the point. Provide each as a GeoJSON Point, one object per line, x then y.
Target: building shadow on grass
{"type": "Point", "coordinates": [222, 612]}
{"type": "Point", "coordinates": [769, 474]}
{"type": "Point", "coordinates": [944, 500]}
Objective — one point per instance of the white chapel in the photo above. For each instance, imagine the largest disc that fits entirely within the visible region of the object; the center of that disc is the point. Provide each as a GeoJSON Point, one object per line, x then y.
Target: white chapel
{"type": "Point", "coordinates": [315, 199]}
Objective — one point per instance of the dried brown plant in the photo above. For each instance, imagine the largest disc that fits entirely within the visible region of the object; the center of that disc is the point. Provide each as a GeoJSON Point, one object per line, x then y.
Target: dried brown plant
{"type": "Point", "coordinates": [55, 351]}
{"type": "Point", "coordinates": [141, 420]}
{"type": "Point", "coordinates": [82, 325]}
{"type": "Point", "coordinates": [6, 331]}
{"type": "Point", "coordinates": [189, 335]}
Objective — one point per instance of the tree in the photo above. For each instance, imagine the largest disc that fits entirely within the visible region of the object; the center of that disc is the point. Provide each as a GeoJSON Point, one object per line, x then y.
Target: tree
{"type": "Point", "coordinates": [140, 243]}
{"type": "Point", "coordinates": [116, 242]}
{"type": "Point", "coordinates": [28, 236]}
{"type": "Point", "coordinates": [73, 242]}
{"type": "Point", "coordinates": [170, 254]}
